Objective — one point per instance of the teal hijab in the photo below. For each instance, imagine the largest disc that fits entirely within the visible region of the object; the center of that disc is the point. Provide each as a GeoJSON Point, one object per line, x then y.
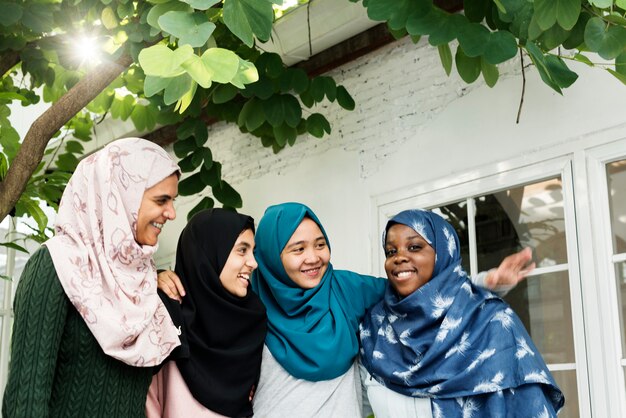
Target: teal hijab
{"type": "Point", "coordinates": [312, 333]}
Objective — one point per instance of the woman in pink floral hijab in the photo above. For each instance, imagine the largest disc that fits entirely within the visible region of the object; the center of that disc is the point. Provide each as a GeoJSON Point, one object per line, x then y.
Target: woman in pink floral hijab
{"type": "Point", "coordinates": [89, 325]}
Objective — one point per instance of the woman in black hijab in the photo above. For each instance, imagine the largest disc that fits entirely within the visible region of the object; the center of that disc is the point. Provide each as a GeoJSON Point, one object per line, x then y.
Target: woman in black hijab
{"type": "Point", "coordinates": [223, 323]}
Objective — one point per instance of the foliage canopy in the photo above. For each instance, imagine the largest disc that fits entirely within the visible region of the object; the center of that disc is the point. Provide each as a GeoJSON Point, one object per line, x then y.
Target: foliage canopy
{"type": "Point", "coordinates": [186, 62]}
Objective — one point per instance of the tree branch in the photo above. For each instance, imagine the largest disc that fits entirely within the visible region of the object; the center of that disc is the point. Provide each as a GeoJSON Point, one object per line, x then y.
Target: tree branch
{"type": "Point", "coordinates": [8, 60]}
{"type": "Point", "coordinates": [41, 131]}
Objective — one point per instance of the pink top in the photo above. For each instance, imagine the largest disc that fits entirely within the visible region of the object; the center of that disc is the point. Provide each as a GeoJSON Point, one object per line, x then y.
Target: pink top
{"type": "Point", "coordinates": [169, 397]}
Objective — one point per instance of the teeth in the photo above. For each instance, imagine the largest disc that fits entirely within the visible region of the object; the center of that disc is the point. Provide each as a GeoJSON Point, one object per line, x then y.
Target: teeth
{"type": "Point", "coordinates": [157, 225]}
{"type": "Point", "coordinates": [245, 276]}
{"type": "Point", "coordinates": [404, 274]}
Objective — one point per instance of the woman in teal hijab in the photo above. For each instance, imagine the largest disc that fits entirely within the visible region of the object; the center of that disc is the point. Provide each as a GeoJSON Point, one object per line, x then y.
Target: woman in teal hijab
{"type": "Point", "coordinates": [312, 331]}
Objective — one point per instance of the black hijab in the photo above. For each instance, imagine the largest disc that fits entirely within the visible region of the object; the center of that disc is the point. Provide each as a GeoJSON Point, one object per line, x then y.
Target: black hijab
{"type": "Point", "coordinates": [222, 334]}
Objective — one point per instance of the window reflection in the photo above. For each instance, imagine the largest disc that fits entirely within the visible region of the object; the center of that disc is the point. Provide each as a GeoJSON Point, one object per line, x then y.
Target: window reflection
{"type": "Point", "coordinates": [616, 178]}
{"type": "Point", "coordinates": [525, 216]}
{"type": "Point", "coordinates": [566, 380]}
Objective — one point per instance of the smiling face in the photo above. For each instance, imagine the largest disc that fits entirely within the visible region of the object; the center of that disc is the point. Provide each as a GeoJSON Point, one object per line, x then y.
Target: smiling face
{"type": "Point", "coordinates": [306, 255]}
{"type": "Point", "coordinates": [157, 207]}
{"type": "Point", "coordinates": [235, 275]}
{"type": "Point", "coordinates": [409, 259]}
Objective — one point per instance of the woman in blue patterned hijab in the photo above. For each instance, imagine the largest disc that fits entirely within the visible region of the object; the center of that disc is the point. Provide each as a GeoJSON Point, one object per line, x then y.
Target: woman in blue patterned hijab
{"type": "Point", "coordinates": [436, 336]}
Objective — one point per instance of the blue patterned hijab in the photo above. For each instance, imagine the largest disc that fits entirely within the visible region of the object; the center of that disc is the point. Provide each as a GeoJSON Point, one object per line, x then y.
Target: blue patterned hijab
{"type": "Point", "coordinates": [455, 343]}
{"type": "Point", "coordinates": [312, 333]}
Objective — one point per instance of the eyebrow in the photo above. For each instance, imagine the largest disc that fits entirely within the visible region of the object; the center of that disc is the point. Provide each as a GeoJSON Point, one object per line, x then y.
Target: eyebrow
{"type": "Point", "coordinates": [244, 244]}
{"type": "Point", "coordinates": [301, 242]}
{"type": "Point", "coordinates": [164, 196]}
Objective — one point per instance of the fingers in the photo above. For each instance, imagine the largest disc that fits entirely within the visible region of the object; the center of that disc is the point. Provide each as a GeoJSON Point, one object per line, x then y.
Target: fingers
{"type": "Point", "coordinates": [171, 285]}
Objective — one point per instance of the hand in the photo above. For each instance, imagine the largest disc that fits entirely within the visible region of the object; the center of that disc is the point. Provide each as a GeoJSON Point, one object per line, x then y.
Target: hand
{"type": "Point", "coordinates": [169, 283]}
{"type": "Point", "coordinates": [512, 270]}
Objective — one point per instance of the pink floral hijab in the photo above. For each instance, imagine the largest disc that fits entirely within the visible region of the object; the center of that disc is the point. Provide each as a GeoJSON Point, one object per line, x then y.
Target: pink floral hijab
{"type": "Point", "coordinates": [106, 274]}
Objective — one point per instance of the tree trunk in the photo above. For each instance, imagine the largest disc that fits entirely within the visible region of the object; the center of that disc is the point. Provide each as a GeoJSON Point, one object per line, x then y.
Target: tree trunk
{"type": "Point", "coordinates": [41, 131]}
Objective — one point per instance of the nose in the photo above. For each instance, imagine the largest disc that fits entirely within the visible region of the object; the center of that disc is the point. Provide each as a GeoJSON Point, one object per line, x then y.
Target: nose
{"type": "Point", "coordinates": [252, 262]}
{"type": "Point", "coordinates": [170, 212]}
{"type": "Point", "coordinates": [399, 257]}
{"type": "Point", "coordinates": [312, 256]}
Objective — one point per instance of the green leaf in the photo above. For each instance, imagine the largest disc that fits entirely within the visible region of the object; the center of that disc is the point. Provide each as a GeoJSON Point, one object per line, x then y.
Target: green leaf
{"type": "Point", "coordinates": [212, 176]}
{"type": "Point", "coordinates": [501, 47]}
{"type": "Point", "coordinates": [11, 13]}
{"type": "Point", "coordinates": [252, 115]}
{"type": "Point", "coordinates": [584, 59]}
{"type": "Point", "coordinates": [473, 38]}
{"type": "Point", "coordinates": [31, 208]}
{"type": "Point", "coordinates": [177, 89]}
{"type": "Point", "coordinates": [109, 18]}
{"type": "Point", "coordinates": [577, 34]}
{"type": "Point", "coordinates": [476, 10]}
{"type": "Point", "coordinates": [227, 195]}
{"type": "Point", "coordinates": [144, 117]}
{"type": "Point", "coordinates": [121, 108]}
{"type": "Point", "coordinates": [608, 43]}
{"type": "Point", "coordinates": [603, 4]}
{"type": "Point", "coordinates": [621, 77]}
{"type": "Point", "coordinates": [317, 89]}
{"type": "Point", "coordinates": [246, 74]}
{"type": "Point", "coordinates": [201, 133]}
{"type": "Point", "coordinates": [537, 57]}
{"type": "Point", "coordinates": [316, 125]}
{"type": "Point", "coordinates": [553, 37]}
{"type": "Point", "coordinates": [330, 88]}
{"type": "Point", "coordinates": [621, 4]}
{"type": "Point", "coordinates": [182, 147]}
{"type": "Point", "coordinates": [74, 147]}
{"type": "Point", "coordinates": [344, 99]}
{"type": "Point", "coordinates": [445, 55]}
{"type": "Point", "coordinates": [160, 61]}
{"type": "Point", "coordinates": [294, 79]}
{"type": "Point", "coordinates": [201, 4]}
{"type": "Point", "coordinates": [620, 64]}
{"type": "Point", "coordinates": [490, 72]}
{"type": "Point", "coordinates": [563, 12]}
{"type": "Point", "coordinates": [152, 84]}
{"type": "Point", "coordinates": [284, 133]}
{"type": "Point", "coordinates": [192, 29]}
{"type": "Point", "coordinates": [160, 9]}
{"type": "Point", "coordinates": [560, 73]}
{"type": "Point", "coordinates": [448, 29]}
{"type": "Point", "coordinates": [187, 164]}
{"type": "Point", "coordinates": [270, 64]}
{"type": "Point", "coordinates": [14, 246]}
{"type": "Point", "coordinates": [249, 18]}
{"type": "Point", "coordinates": [224, 93]}
{"type": "Point", "coordinates": [191, 185]}
{"type": "Point", "coordinates": [205, 203]}
{"type": "Point", "coordinates": [67, 162]}
{"type": "Point", "coordinates": [10, 96]}
{"type": "Point", "coordinates": [469, 68]}
{"type": "Point", "coordinates": [4, 166]}
{"type": "Point", "coordinates": [207, 158]}
{"type": "Point", "coordinates": [426, 24]}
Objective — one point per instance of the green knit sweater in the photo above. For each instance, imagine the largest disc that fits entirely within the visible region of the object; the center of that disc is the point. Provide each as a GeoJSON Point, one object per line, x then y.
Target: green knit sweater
{"type": "Point", "coordinates": [57, 368]}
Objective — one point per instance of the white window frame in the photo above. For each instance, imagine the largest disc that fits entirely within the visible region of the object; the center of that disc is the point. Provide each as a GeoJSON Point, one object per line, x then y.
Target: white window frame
{"type": "Point", "coordinates": [488, 180]}
{"type": "Point", "coordinates": [605, 348]}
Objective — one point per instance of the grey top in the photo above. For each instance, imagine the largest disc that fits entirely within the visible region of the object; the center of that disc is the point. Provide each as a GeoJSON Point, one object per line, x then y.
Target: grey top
{"type": "Point", "coordinates": [281, 395]}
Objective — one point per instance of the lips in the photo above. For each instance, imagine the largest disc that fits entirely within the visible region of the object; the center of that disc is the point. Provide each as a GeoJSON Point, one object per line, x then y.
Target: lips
{"type": "Point", "coordinates": [311, 272]}
{"type": "Point", "coordinates": [157, 225]}
{"type": "Point", "coordinates": [404, 274]}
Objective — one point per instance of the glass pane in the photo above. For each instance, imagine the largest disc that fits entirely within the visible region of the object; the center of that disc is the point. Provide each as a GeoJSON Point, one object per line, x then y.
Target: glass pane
{"type": "Point", "coordinates": [456, 215]}
{"type": "Point", "coordinates": [543, 304]}
{"type": "Point", "coordinates": [620, 275]}
{"type": "Point", "coordinates": [524, 216]}
{"type": "Point", "coordinates": [566, 380]}
{"type": "Point", "coordinates": [616, 178]}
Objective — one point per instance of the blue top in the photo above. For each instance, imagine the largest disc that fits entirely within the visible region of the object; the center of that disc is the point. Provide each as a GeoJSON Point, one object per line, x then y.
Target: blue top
{"type": "Point", "coordinates": [312, 333]}
{"type": "Point", "coordinates": [456, 343]}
